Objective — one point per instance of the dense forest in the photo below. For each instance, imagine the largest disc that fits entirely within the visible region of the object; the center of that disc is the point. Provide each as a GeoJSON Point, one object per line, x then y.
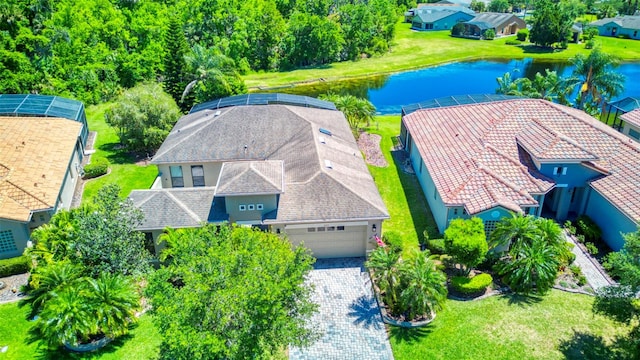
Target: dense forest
{"type": "Point", "coordinates": [91, 50]}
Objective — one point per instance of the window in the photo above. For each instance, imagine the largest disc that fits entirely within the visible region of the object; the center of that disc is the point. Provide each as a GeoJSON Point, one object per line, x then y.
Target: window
{"type": "Point", "coordinates": [311, 229]}
{"type": "Point", "coordinates": [435, 194]}
{"type": "Point", "coordinates": [455, 211]}
{"type": "Point", "coordinates": [560, 170]}
{"type": "Point", "coordinates": [340, 228]}
{"type": "Point", "coordinates": [6, 241]}
{"type": "Point", "coordinates": [149, 244]}
{"type": "Point", "coordinates": [176, 176]}
{"type": "Point", "coordinates": [321, 228]}
{"type": "Point", "coordinates": [428, 26]}
{"type": "Point", "coordinates": [421, 164]}
{"type": "Point", "coordinates": [251, 207]}
{"type": "Point", "coordinates": [331, 228]}
{"type": "Point", "coordinates": [242, 207]}
{"type": "Point", "coordinates": [197, 174]}
{"type": "Point", "coordinates": [635, 33]}
{"type": "Point", "coordinates": [634, 134]}
{"type": "Point", "coordinates": [259, 206]}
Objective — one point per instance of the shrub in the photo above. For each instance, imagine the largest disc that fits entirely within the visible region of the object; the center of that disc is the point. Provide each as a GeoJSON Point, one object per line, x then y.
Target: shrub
{"type": "Point", "coordinates": [457, 29]}
{"type": "Point", "coordinates": [15, 266]}
{"type": "Point", "coordinates": [575, 269]}
{"type": "Point", "coordinates": [590, 44]}
{"type": "Point", "coordinates": [436, 246]}
{"type": "Point", "coordinates": [587, 227]}
{"type": "Point", "coordinates": [512, 42]}
{"type": "Point", "coordinates": [590, 33]}
{"type": "Point", "coordinates": [466, 242]}
{"type": "Point", "coordinates": [569, 227]}
{"type": "Point", "coordinates": [580, 238]}
{"type": "Point", "coordinates": [582, 280]}
{"type": "Point", "coordinates": [469, 286]}
{"type": "Point", "coordinates": [97, 167]}
{"type": "Point", "coordinates": [591, 248]}
{"type": "Point", "coordinates": [522, 34]}
{"type": "Point", "coordinates": [393, 240]}
{"type": "Point", "coordinates": [571, 257]}
{"type": "Point", "coordinates": [490, 34]}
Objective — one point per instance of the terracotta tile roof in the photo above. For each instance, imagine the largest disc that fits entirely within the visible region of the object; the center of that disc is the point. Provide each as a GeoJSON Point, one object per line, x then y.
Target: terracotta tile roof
{"type": "Point", "coordinates": [632, 117]}
{"type": "Point", "coordinates": [476, 153]}
{"type": "Point", "coordinates": [34, 155]}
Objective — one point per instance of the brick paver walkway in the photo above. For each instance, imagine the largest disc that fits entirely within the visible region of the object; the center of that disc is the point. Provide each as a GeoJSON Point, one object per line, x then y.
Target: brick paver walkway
{"type": "Point", "coordinates": [349, 317]}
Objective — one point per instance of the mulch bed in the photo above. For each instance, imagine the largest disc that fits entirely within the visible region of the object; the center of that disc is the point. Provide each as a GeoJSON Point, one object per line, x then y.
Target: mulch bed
{"type": "Point", "coordinates": [13, 282]}
{"type": "Point", "coordinates": [369, 144]}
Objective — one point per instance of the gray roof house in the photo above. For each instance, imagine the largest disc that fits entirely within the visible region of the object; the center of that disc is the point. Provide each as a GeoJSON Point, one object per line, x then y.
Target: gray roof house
{"type": "Point", "coordinates": [503, 24]}
{"type": "Point", "coordinates": [627, 26]}
{"type": "Point", "coordinates": [288, 167]}
{"type": "Point", "coordinates": [440, 17]}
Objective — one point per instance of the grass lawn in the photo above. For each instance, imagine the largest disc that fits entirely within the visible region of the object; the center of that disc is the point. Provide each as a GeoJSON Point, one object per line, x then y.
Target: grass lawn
{"type": "Point", "coordinates": [143, 342]}
{"type": "Point", "coordinates": [413, 49]}
{"type": "Point", "coordinates": [559, 325]}
{"type": "Point", "coordinates": [402, 195]}
{"type": "Point", "coordinates": [124, 171]}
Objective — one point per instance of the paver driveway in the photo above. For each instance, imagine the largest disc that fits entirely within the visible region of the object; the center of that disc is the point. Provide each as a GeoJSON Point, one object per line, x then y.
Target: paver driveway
{"type": "Point", "coordinates": [349, 317]}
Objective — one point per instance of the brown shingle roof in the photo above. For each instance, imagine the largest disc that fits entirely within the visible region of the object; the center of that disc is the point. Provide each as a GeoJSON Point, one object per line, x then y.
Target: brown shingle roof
{"type": "Point", "coordinates": [632, 117]}
{"type": "Point", "coordinates": [34, 155]}
{"type": "Point", "coordinates": [460, 143]}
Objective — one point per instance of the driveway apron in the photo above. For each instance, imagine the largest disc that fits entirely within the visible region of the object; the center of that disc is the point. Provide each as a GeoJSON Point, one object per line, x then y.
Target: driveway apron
{"type": "Point", "coordinates": [348, 318]}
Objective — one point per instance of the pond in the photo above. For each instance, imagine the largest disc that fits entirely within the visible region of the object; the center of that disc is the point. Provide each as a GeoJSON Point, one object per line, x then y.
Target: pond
{"type": "Point", "coordinates": [390, 92]}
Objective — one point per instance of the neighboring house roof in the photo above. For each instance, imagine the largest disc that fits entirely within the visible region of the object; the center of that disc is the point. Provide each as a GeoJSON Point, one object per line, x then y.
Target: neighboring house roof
{"type": "Point", "coordinates": [476, 157]}
{"type": "Point", "coordinates": [34, 157]}
{"type": "Point", "coordinates": [41, 106]}
{"type": "Point", "coordinates": [430, 14]}
{"type": "Point", "coordinates": [178, 207]}
{"type": "Point", "coordinates": [632, 117]}
{"type": "Point", "coordinates": [251, 178]}
{"type": "Point", "coordinates": [627, 104]}
{"type": "Point", "coordinates": [494, 20]}
{"type": "Point", "coordinates": [325, 175]}
{"type": "Point", "coordinates": [627, 22]}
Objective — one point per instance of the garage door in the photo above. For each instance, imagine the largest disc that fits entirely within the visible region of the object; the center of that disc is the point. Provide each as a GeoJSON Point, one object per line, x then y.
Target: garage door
{"type": "Point", "coordinates": [331, 241]}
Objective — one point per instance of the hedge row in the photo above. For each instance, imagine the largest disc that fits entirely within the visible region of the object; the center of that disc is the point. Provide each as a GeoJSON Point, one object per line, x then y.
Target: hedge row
{"type": "Point", "coordinates": [97, 167]}
{"type": "Point", "coordinates": [474, 285]}
{"type": "Point", "coordinates": [14, 266]}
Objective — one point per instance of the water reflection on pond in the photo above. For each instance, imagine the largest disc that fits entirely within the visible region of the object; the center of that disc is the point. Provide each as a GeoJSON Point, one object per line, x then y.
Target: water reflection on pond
{"type": "Point", "coordinates": [390, 92]}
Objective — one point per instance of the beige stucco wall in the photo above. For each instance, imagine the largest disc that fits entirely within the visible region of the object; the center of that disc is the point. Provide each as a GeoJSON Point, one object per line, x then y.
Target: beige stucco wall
{"type": "Point", "coordinates": [211, 173]}
{"type": "Point", "coordinates": [70, 181]}
{"type": "Point", "coordinates": [269, 203]}
{"type": "Point", "coordinates": [20, 237]}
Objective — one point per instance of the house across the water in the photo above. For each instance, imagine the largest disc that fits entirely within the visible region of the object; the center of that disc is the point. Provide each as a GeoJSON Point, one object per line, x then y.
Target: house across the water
{"type": "Point", "coordinates": [484, 158]}
{"type": "Point", "coordinates": [626, 26]}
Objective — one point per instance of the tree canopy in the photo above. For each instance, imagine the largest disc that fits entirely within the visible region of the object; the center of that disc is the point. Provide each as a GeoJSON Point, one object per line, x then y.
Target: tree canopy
{"type": "Point", "coordinates": [230, 292]}
{"type": "Point", "coordinates": [465, 241]}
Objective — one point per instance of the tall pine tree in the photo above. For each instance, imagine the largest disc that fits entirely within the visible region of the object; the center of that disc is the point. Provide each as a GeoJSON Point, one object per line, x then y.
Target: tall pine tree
{"type": "Point", "coordinates": [174, 62]}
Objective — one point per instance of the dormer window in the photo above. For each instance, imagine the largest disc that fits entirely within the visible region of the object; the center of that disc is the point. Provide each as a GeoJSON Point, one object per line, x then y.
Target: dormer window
{"type": "Point", "coordinates": [560, 170]}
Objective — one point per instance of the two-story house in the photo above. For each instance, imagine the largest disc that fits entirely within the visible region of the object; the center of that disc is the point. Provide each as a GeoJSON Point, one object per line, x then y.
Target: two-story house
{"type": "Point", "coordinates": [283, 163]}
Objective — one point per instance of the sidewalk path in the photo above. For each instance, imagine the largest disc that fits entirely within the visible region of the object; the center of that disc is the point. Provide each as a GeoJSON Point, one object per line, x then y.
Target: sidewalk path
{"type": "Point", "coordinates": [591, 271]}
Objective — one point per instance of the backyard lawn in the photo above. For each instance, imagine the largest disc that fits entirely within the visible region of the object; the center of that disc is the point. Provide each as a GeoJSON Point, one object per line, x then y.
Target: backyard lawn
{"type": "Point", "coordinates": [414, 49]}
{"type": "Point", "coordinates": [143, 342]}
{"type": "Point", "coordinates": [124, 170]}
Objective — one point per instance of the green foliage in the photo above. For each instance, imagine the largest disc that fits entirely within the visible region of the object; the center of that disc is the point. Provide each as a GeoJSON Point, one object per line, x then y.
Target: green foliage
{"type": "Point", "coordinates": [358, 111]}
{"type": "Point", "coordinates": [548, 86]}
{"type": "Point", "coordinates": [98, 167]}
{"type": "Point", "coordinates": [466, 242]}
{"type": "Point", "coordinates": [580, 238]}
{"type": "Point", "coordinates": [15, 266]}
{"type": "Point", "coordinates": [591, 248]}
{"type": "Point", "coordinates": [499, 6]}
{"type": "Point", "coordinates": [176, 47]}
{"type": "Point", "coordinates": [469, 286]}
{"type": "Point", "coordinates": [582, 280]}
{"type": "Point", "coordinates": [393, 240]}
{"type": "Point", "coordinates": [513, 42]}
{"type": "Point", "coordinates": [384, 266]}
{"type": "Point", "coordinates": [489, 34]}
{"type": "Point", "coordinates": [551, 23]}
{"type": "Point", "coordinates": [587, 227]}
{"type": "Point", "coordinates": [522, 34]}
{"type": "Point", "coordinates": [576, 270]}
{"type": "Point", "coordinates": [477, 6]}
{"type": "Point", "coordinates": [589, 44]}
{"type": "Point", "coordinates": [457, 29]}
{"type": "Point", "coordinates": [590, 33]}
{"type": "Point", "coordinates": [240, 292]}
{"type": "Point", "coordinates": [436, 246]}
{"type": "Point", "coordinates": [143, 117]}
{"type": "Point", "coordinates": [568, 225]}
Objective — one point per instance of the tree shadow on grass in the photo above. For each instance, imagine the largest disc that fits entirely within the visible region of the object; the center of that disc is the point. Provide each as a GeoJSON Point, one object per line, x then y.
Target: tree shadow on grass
{"type": "Point", "coordinates": [535, 49]}
{"type": "Point", "coordinates": [418, 206]}
{"type": "Point", "coordinates": [409, 335]}
{"type": "Point", "coordinates": [522, 300]}
{"type": "Point", "coordinates": [593, 347]}
{"type": "Point", "coordinates": [117, 154]}
{"type": "Point", "coordinates": [366, 312]}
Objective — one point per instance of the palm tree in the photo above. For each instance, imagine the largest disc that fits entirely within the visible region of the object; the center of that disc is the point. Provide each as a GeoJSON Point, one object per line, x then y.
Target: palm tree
{"type": "Point", "coordinates": [114, 301]}
{"type": "Point", "coordinates": [514, 231]}
{"type": "Point", "coordinates": [46, 280]}
{"type": "Point", "coordinates": [383, 263]}
{"type": "Point", "coordinates": [356, 110]}
{"type": "Point", "coordinates": [66, 317]}
{"type": "Point", "coordinates": [424, 287]}
{"type": "Point", "coordinates": [213, 75]}
{"type": "Point", "coordinates": [552, 235]}
{"type": "Point", "coordinates": [598, 82]}
{"type": "Point", "coordinates": [534, 268]}
{"type": "Point", "coordinates": [507, 86]}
